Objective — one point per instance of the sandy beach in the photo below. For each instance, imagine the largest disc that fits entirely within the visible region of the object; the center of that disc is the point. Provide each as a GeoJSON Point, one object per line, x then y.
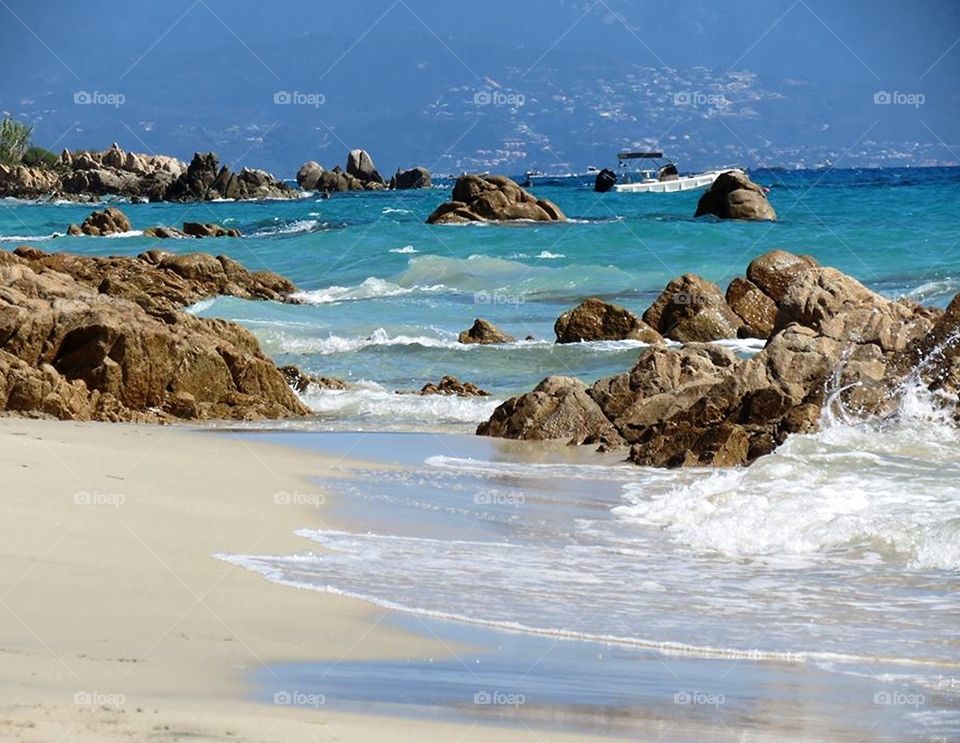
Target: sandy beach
{"type": "Point", "coordinates": [119, 625]}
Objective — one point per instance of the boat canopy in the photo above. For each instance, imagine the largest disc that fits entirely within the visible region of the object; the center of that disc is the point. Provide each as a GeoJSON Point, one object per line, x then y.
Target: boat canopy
{"type": "Point", "coordinates": [639, 156]}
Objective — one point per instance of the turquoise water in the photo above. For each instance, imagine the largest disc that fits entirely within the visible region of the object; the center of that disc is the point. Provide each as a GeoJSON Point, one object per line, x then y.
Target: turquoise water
{"type": "Point", "coordinates": [386, 294]}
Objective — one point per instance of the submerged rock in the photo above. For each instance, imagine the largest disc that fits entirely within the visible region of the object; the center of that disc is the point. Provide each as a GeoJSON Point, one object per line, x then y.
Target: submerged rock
{"type": "Point", "coordinates": [596, 320]}
{"type": "Point", "coordinates": [493, 198]}
{"type": "Point", "coordinates": [302, 381]}
{"type": "Point", "coordinates": [484, 332]}
{"type": "Point", "coordinates": [450, 385]}
{"type": "Point", "coordinates": [199, 229]}
{"type": "Point", "coordinates": [734, 196]}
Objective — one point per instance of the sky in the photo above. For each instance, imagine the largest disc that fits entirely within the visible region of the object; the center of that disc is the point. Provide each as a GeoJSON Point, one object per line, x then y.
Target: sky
{"type": "Point", "coordinates": [552, 84]}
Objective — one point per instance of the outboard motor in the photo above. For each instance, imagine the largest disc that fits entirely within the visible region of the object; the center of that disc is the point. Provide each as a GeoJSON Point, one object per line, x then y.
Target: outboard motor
{"type": "Point", "coordinates": [605, 180]}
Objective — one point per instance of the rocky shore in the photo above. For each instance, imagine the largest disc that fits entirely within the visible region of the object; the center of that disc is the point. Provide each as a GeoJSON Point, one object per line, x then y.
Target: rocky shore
{"type": "Point", "coordinates": [90, 175]}
{"type": "Point", "coordinates": [829, 341]}
{"type": "Point", "coordinates": [107, 339]}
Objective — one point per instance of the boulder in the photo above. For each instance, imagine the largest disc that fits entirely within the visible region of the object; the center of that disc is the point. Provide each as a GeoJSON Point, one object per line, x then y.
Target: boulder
{"type": "Point", "coordinates": [692, 309]}
{"type": "Point", "coordinates": [484, 332]}
{"type": "Point", "coordinates": [360, 166]}
{"type": "Point", "coordinates": [110, 221]}
{"type": "Point", "coordinates": [450, 385]}
{"type": "Point", "coordinates": [756, 310]}
{"type": "Point", "coordinates": [775, 270]}
{"type": "Point", "coordinates": [70, 351]}
{"type": "Point", "coordinates": [559, 408]}
{"type": "Point", "coordinates": [205, 179]}
{"type": "Point", "coordinates": [164, 233]}
{"type": "Point", "coordinates": [493, 198]}
{"type": "Point", "coordinates": [596, 320]}
{"type": "Point", "coordinates": [309, 175]}
{"type": "Point", "coordinates": [734, 196]}
{"type": "Point", "coordinates": [409, 179]}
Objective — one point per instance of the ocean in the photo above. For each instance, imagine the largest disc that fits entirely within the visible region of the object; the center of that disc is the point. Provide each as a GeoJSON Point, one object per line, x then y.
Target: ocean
{"type": "Point", "coordinates": [839, 553]}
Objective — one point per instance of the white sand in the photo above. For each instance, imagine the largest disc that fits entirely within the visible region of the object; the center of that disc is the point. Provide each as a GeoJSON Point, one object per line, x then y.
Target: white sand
{"type": "Point", "coordinates": [117, 624]}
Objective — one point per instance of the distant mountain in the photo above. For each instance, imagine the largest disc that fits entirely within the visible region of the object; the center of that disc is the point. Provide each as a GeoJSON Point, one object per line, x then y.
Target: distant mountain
{"type": "Point", "coordinates": [554, 85]}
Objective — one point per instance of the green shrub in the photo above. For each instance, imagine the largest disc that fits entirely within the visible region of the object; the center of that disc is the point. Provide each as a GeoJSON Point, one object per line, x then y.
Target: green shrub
{"type": "Point", "coordinates": [38, 157]}
{"type": "Point", "coordinates": [14, 140]}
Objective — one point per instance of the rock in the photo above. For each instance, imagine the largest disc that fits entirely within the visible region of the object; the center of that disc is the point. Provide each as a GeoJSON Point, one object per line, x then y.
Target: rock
{"type": "Point", "coordinates": [756, 310]}
{"type": "Point", "coordinates": [309, 175]}
{"type": "Point", "coordinates": [164, 233]}
{"type": "Point", "coordinates": [70, 351]}
{"type": "Point", "coordinates": [162, 282]}
{"type": "Point", "coordinates": [775, 270]}
{"type": "Point", "coordinates": [559, 408]}
{"type": "Point", "coordinates": [596, 320]}
{"type": "Point", "coordinates": [197, 229]}
{"type": "Point", "coordinates": [484, 332]}
{"type": "Point", "coordinates": [692, 309]}
{"type": "Point", "coordinates": [302, 381]}
{"type": "Point", "coordinates": [490, 198]}
{"type": "Point", "coordinates": [409, 179]}
{"type": "Point", "coordinates": [701, 405]}
{"type": "Point", "coordinates": [205, 180]}
{"type": "Point", "coordinates": [110, 221]}
{"type": "Point", "coordinates": [360, 166]}
{"type": "Point", "coordinates": [452, 386]}
{"type": "Point", "coordinates": [734, 196]}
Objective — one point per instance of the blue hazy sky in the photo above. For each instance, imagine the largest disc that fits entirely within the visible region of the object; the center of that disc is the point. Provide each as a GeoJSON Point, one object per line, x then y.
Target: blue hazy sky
{"type": "Point", "coordinates": [399, 76]}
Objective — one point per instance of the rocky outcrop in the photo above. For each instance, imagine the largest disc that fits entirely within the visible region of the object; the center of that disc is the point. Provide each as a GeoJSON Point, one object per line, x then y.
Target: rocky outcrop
{"type": "Point", "coordinates": [309, 175]}
{"type": "Point", "coordinates": [409, 179]}
{"type": "Point", "coordinates": [493, 198]}
{"type": "Point", "coordinates": [596, 320]}
{"type": "Point", "coordinates": [160, 282]}
{"type": "Point", "coordinates": [775, 270]}
{"type": "Point", "coordinates": [450, 385]}
{"type": "Point", "coordinates": [756, 310]}
{"type": "Point", "coordinates": [92, 174]}
{"type": "Point", "coordinates": [205, 180]}
{"type": "Point", "coordinates": [484, 332]}
{"type": "Point", "coordinates": [80, 347]}
{"type": "Point", "coordinates": [360, 166]}
{"type": "Point", "coordinates": [200, 229]}
{"type": "Point", "coordinates": [703, 405]}
{"type": "Point", "coordinates": [692, 310]}
{"type": "Point", "coordinates": [110, 221]}
{"type": "Point", "coordinates": [734, 196]}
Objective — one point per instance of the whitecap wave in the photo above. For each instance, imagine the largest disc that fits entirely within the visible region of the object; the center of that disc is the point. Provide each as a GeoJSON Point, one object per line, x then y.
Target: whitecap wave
{"type": "Point", "coordinates": [289, 228]}
{"type": "Point", "coordinates": [30, 238]}
{"type": "Point", "coordinates": [371, 288]}
{"type": "Point", "coordinates": [405, 250]}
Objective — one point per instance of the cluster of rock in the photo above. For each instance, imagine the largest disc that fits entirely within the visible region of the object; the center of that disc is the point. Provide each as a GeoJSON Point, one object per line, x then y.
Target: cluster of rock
{"type": "Point", "coordinates": [112, 221]}
{"type": "Point", "coordinates": [450, 385]}
{"type": "Point", "coordinates": [360, 175]}
{"type": "Point", "coordinates": [734, 196]}
{"type": "Point", "coordinates": [493, 198]}
{"type": "Point", "coordinates": [93, 174]}
{"type": "Point", "coordinates": [107, 339]}
{"type": "Point", "coordinates": [701, 404]}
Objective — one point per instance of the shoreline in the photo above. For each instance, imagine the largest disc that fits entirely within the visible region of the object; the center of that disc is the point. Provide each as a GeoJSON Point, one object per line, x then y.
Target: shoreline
{"type": "Point", "coordinates": [120, 622]}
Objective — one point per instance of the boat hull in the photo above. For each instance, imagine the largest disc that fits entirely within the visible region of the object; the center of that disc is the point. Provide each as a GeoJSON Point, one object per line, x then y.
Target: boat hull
{"type": "Point", "coordinates": [684, 183]}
